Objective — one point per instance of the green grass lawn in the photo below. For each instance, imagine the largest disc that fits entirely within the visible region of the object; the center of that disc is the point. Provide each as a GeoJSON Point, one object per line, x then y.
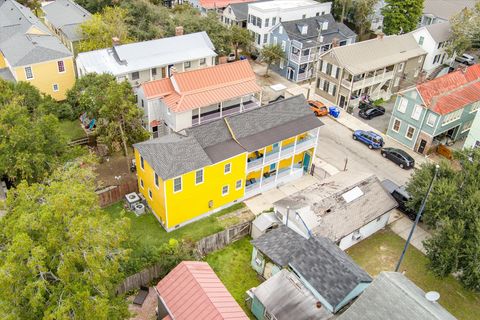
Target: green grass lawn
{"type": "Point", "coordinates": [381, 251]}
{"type": "Point", "coordinates": [72, 129]}
{"type": "Point", "coordinates": [232, 266]}
{"type": "Point", "coordinates": [148, 232]}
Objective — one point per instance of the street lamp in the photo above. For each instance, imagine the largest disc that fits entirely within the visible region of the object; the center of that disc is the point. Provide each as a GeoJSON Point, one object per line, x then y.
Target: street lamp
{"type": "Point", "coordinates": [417, 218]}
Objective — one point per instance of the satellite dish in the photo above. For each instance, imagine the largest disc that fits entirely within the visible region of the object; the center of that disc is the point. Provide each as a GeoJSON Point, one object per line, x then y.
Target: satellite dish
{"type": "Point", "coordinates": [432, 296]}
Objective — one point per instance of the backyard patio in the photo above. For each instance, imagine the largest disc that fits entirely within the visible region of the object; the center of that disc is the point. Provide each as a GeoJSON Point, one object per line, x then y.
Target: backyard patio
{"type": "Point", "coordinates": [381, 251]}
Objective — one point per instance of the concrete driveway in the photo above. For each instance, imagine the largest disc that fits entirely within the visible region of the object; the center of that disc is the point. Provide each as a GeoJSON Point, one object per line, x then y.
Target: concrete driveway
{"type": "Point", "coordinates": [380, 123]}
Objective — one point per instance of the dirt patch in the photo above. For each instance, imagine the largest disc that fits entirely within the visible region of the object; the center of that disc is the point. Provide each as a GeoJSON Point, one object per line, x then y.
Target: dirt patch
{"type": "Point", "coordinates": [236, 217]}
{"type": "Point", "coordinates": [147, 310]}
{"type": "Point", "coordinates": [113, 171]}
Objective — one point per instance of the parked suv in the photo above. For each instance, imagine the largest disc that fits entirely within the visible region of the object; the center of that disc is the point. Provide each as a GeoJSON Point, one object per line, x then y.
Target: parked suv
{"type": "Point", "coordinates": [465, 59]}
{"type": "Point", "coordinates": [318, 108]}
{"type": "Point", "coordinates": [398, 156]}
{"type": "Point", "coordinates": [401, 196]}
{"type": "Point", "coordinates": [370, 138]}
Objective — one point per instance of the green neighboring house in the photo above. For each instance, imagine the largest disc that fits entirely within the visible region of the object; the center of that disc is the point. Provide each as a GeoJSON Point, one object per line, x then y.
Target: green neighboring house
{"type": "Point", "coordinates": [438, 111]}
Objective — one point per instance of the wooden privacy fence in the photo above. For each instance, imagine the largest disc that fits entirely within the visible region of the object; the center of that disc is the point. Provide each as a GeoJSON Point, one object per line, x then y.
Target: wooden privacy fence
{"type": "Point", "coordinates": [444, 151]}
{"type": "Point", "coordinates": [223, 238]}
{"type": "Point", "coordinates": [142, 278]}
{"type": "Point", "coordinates": [114, 194]}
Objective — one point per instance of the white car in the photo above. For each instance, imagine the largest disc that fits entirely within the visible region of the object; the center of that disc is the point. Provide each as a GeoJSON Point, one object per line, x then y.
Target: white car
{"type": "Point", "coordinates": [465, 59]}
{"type": "Point", "coordinates": [231, 57]}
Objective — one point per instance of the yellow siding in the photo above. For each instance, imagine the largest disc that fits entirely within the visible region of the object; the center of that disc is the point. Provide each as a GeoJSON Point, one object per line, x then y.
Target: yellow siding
{"type": "Point", "coordinates": [254, 174]}
{"type": "Point", "coordinates": [2, 61]}
{"type": "Point", "coordinates": [285, 163]}
{"type": "Point", "coordinates": [193, 200]}
{"type": "Point", "coordinates": [46, 74]}
{"type": "Point", "coordinates": [288, 141]}
{"type": "Point", "coordinates": [157, 203]}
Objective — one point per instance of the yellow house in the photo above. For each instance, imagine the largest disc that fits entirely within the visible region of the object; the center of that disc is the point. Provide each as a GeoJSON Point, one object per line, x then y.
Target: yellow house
{"type": "Point", "coordinates": [188, 175]}
{"type": "Point", "coordinates": [29, 52]}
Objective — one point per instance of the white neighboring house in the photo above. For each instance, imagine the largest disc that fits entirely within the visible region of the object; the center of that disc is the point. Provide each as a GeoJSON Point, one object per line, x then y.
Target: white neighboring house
{"type": "Point", "coordinates": [434, 39]}
{"type": "Point", "coordinates": [437, 11]}
{"type": "Point", "coordinates": [377, 17]}
{"type": "Point", "coordinates": [263, 16]}
{"type": "Point", "coordinates": [150, 60]}
{"type": "Point", "coordinates": [473, 138]}
{"type": "Point", "coordinates": [345, 208]}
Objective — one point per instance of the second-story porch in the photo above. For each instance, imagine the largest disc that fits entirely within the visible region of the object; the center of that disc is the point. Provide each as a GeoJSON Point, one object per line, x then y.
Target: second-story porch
{"type": "Point", "coordinates": [368, 79]}
{"type": "Point", "coordinates": [224, 108]}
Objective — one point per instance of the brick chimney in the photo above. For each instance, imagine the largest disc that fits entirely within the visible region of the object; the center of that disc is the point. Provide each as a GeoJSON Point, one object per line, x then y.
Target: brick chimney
{"type": "Point", "coordinates": [115, 41]}
{"type": "Point", "coordinates": [179, 31]}
{"type": "Point", "coordinates": [380, 36]}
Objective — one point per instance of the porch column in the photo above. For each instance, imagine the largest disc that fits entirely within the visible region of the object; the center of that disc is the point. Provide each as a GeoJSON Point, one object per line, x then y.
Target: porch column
{"type": "Point", "coordinates": [221, 109]}
{"type": "Point", "coordinates": [199, 115]}
{"type": "Point", "coordinates": [241, 104]}
{"type": "Point", "coordinates": [264, 156]}
{"type": "Point", "coordinates": [276, 173]}
{"type": "Point", "coordinates": [293, 155]}
{"type": "Point", "coordinates": [261, 177]}
{"type": "Point", "coordinates": [316, 143]}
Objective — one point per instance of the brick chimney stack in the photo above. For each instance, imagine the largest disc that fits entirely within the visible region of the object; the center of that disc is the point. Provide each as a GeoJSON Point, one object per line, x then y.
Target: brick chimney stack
{"type": "Point", "coordinates": [179, 31]}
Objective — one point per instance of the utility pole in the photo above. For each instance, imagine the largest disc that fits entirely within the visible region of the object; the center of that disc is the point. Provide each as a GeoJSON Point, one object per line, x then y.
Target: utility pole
{"type": "Point", "coordinates": [417, 218]}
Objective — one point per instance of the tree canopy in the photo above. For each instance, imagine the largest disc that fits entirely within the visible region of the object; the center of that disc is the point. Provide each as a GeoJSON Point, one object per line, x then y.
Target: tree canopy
{"type": "Point", "coordinates": [465, 27]}
{"type": "Point", "coordinates": [102, 27]}
{"type": "Point", "coordinates": [453, 212]}
{"type": "Point", "coordinates": [362, 15]}
{"type": "Point", "coordinates": [60, 254]}
{"type": "Point", "coordinates": [271, 54]}
{"type": "Point", "coordinates": [401, 16]}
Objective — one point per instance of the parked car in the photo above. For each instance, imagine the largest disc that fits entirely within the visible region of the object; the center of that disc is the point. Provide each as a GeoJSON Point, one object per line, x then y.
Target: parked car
{"type": "Point", "coordinates": [370, 138]}
{"type": "Point", "coordinates": [231, 57]}
{"type": "Point", "coordinates": [318, 108]}
{"type": "Point", "coordinates": [371, 112]}
{"type": "Point", "coordinates": [465, 59]}
{"type": "Point", "coordinates": [400, 195]}
{"type": "Point", "coordinates": [398, 156]}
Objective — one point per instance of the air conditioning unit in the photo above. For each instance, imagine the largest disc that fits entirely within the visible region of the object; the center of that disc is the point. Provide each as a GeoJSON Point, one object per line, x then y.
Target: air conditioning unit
{"type": "Point", "coordinates": [132, 199]}
{"type": "Point", "coordinates": [210, 204]}
{"type": "Point", "coordinates": [356, 236]}
{"type": "Point", "coordinates": [139, 209]}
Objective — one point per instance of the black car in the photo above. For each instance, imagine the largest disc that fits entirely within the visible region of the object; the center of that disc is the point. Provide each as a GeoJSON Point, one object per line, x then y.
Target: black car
{"type": "Point", "coordinates": [371, 112]}
{"type": "Point", "coordinates": [400, 157]}
{"type": "Point", "coordinates": [401, 196]}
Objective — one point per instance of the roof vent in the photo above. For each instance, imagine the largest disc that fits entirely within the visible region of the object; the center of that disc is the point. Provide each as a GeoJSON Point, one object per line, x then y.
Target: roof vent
{"type": "Point", "coordinates": [319, 305]}
{"type": "Point", "coordinates": [432, 296]}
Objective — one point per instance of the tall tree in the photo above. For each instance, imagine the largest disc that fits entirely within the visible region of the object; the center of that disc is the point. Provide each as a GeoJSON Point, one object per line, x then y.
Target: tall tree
{"type": "Point", "coordinates": [362, 15]}
{"type": "Point", "coordinates": [271, 54]}
{"type": "Point", "coordinates": [240, 38]}
{"type": "Point", "coordinates": [61, 255]}
{"type": "Point", "coordinates": [95, 6]}
{"type": "Point", "coordinates": [401, 16]}
{"type": "Point", "coordinates": [102, 27]}
{"type": "Point", "coordinates": [452, 211]}
{"type": "Point", "coordinates": [34, 5]}
{"type": "Point", "coordinates": [465, 27]}
{"type": "Point", "coordinates": [31, 146]}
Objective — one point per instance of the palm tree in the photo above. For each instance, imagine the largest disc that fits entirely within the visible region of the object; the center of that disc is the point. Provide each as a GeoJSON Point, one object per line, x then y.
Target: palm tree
{"type": "Point", "coordinates": [272, 54]}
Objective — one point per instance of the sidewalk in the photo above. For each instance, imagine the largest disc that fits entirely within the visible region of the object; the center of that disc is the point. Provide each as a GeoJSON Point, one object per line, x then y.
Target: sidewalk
{"type": "Point", "coordinates": [401, 225]}
{"type": "Point", "coordinates": [352, 123]}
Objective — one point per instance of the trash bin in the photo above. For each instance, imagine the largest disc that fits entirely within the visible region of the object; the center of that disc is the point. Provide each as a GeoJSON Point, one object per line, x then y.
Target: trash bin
{"type": "Point", "coordinates": [334, 111]}
{"type": "Point", "coordinates": [243, 58]}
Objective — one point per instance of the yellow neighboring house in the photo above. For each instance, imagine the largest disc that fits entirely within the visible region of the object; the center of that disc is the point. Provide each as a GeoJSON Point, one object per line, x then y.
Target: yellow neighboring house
{"type": "Point", "coordinates": [188, 175]}
{"type": "Point", "coordinates": [29, 52]}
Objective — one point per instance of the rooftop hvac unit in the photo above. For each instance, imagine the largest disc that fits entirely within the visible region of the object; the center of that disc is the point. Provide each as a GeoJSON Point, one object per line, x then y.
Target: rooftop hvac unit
{"type": "Point", "coordinates": [131, 199]}
{"type": "Point", "coordinates": [139, 209]}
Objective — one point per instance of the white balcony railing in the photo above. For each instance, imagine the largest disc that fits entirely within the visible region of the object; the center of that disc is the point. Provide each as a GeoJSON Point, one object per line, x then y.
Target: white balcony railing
{"type": "Point", "coordinates": [283, 176]}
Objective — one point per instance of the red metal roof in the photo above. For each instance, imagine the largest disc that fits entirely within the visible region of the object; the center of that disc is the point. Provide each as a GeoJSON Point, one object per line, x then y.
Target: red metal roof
{"type": "Point", "coordinates": [452, 91]}
{"type": "Point", "coordinates": [204, 87]}
{"type": "Point", "coordinates": [192, 291]}
{"type": "Point", "coordinates": [212, 4]}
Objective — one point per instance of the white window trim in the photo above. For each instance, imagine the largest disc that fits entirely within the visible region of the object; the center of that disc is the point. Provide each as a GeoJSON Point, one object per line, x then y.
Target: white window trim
{"type": "Point", "coordinates": [31, 71]}
{"type": "Point", "coordinates": [400, 104]}
{"type": "Point", "coordinates": [401, 66]}
{"type": "Point", "coordinates": [142, 184]}
{"type": "Point", "coordinates": [53, 87]}
{"type": "Point", "coordinates": [435, 121]}
{"type": "Point", "coordinates": [142, 163]}
{"type": "Point", "coordinates": [150, 194]}
{"type": "Point", "coordinates": [154, 182]}
{"type": "Point", "coordinates": [399, 127]}
{"type": "Point", "coordinates": [475, 107]}
{"type": "Point", "coordinates": [241, 184]}
{"type": "Point", "coordinates": [228, 190]}
{"type": "Point", "coordinates": [459, 112]}
{"type": "Point", "coordinates": [415, 108]}
{"type": "Point", "coordinates": [413, 134]}
{"type": "Point", "coordinates": [229, 170]}
{"type": "Point", "coordinates": [203, 178]}
{"type": "Point", "coordinates": [181, 184]}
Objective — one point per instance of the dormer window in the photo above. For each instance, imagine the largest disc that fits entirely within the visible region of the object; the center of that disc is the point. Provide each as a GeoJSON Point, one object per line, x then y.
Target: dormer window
{"type": "Point", "coordinates": [303, 28]}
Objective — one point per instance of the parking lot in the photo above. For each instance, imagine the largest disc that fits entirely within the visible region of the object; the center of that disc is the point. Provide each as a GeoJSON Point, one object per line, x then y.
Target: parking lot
{"type": "Point", "coordinates": [380, 123]}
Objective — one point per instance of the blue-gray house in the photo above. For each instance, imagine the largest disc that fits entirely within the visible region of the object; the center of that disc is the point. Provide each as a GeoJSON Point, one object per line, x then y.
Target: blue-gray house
{"type": "Point", "coordinates": [304, 40]}
{"type": "Point", "coordinates": [437, 111]}
{"type": "Point", "coordinates": [320, 267]}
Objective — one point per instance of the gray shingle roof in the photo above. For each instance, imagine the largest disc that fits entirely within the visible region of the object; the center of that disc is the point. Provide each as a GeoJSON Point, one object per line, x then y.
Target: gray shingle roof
{"type": "Point", "coordinates": [280, 244]}
{"type": "Point", "coordinates": [5, 74]}
{"type": "Point", "coordinates": [67, 16]}
{"type": "Point", "coordinates": [393, 296]}
{"type": "Point", "coordinates": [213, 142]}
{"type": "Point", "coordinates": [334, 30]}
{"type": "Point", "coordinates": [445, 9]}
{"type": "Point", "coordinates": [24, 39]}
{"type": "Point", "coordinates": [328, 269]}
{"type": "Point", "coordinates": [241, 9]}
{"type": "Point", "coordinates": [284, 296]}
{"type": "Point", "coordinates": [440, 31]}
